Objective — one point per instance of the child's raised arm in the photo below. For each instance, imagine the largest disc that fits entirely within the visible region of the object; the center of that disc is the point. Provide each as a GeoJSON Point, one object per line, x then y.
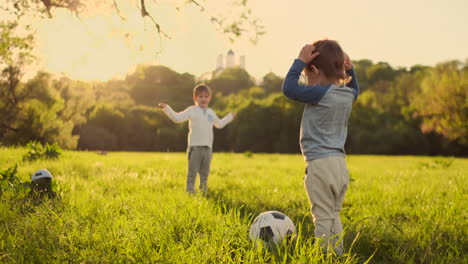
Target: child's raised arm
{"type": "Point", "coordinates": [220, 123]}
{"type": "Point", "coordinates": [174, 116]}
{"type": "Point", "coordinates": [291, 87]}
{"type": "Point", "coordinates": [353, 83]}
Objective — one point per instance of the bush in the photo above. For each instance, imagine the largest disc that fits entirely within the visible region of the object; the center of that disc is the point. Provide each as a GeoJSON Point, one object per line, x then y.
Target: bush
{"type": "Point", "coordinates": [8, 179]}
{"type": "Point", "coordinates": [37, 151]}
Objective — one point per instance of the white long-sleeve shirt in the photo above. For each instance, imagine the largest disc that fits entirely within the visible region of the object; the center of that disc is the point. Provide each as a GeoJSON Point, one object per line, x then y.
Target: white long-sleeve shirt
{"type": "Point", "coordinates": [201, 121]}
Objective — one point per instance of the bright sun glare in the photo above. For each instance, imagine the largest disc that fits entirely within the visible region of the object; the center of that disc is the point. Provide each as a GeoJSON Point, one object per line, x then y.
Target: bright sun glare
{"type": "Point", "coordinates": [102, 45]}
{"type": "Point", "coordinates": [92, 48]}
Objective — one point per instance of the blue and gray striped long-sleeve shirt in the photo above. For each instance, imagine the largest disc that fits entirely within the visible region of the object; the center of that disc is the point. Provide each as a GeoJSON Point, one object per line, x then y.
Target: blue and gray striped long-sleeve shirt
{"type": "Point", "coordinates": [324, 125]}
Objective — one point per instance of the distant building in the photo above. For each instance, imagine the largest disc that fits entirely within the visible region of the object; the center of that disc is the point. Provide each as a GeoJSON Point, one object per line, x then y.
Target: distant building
{"type": "Point", "coordinates": [220, 61]}
{"type": "Point", "coordinates": [230, 59]}
{"type": "Point", "coordinates": [242, 61]}
{"type": "Point", "coordinates": [224, 62]}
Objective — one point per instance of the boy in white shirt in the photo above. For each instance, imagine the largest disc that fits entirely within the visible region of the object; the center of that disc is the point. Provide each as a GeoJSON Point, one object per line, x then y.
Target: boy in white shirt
{"type": "Point", "coordinates": [200, 138]}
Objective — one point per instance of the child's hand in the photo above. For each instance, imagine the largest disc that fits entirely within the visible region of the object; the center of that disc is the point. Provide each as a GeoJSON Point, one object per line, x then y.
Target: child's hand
{"type": "Point", "coordinates": [347, 63]}
{"type": "Point", "coordinates": [162, 105]}
{"type": "Point", "coordinates": [307, 53]}
{"type": "Point", "coordinates": [234, 115]}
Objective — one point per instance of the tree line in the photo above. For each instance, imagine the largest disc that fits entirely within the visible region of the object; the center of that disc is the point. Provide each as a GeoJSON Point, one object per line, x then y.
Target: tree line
{"type": "Point", "coordinates": [422, 110]}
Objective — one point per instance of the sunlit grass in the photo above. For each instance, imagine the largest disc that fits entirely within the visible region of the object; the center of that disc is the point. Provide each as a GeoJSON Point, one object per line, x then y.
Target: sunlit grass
{"type": "Point", "coordinates": [132, 208]}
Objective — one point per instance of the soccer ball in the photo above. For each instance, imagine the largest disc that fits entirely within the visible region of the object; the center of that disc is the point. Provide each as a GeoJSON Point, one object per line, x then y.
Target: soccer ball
{"type": "Point", "coordinates": [41, 174]}
{"type": "Point", "coordinates": [271, 227]}
{"type": "Point", "coordinates": [41, 185]}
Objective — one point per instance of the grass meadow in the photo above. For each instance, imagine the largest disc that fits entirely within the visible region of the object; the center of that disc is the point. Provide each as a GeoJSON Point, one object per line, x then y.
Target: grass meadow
{"type": "Point", "coordinates": [127, 207]}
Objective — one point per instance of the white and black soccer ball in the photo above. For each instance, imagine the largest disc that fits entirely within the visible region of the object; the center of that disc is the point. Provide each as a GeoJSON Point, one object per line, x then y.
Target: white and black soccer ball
{"type": "Point", "coordinates": [271, 227]}
{"type": "Point", "coordinates": [41, 174]}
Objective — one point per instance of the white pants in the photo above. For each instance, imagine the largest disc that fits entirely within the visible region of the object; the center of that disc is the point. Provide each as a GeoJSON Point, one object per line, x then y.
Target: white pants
{"type": "Point", "coordinates": [326, 183]}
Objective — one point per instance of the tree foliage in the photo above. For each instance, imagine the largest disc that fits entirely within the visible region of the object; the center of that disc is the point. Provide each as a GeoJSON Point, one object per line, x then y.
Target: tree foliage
{"type": "Point", "coordinates": [152, 84]}
{"type": "Point", "coordinates": [231, 80]}
{"type": "Point", "coordinates": [272, 82]}
{"type": "Point", "coordinates": [43, 116]}
{"type": "Point", "coordinates": [443, 102]}
{"type": "Point", "coordinates": [15, 52]}
{"type": "Point", "coordinates": [41, 109]}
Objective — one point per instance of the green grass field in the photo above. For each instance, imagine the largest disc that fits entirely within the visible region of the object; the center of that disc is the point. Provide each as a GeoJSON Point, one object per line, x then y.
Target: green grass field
{"type": "Point", "coordinates": [132, 208]}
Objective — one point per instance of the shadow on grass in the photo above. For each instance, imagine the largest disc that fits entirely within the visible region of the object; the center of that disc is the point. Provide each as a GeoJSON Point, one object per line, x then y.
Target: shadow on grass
{"type": "Point", "coordinates": [226, 204]}
{"type": "Point", "coordinates": [249, 210]}
{"type": "Point", "coordinates": [369, 238]}
{"type": "Point", "coordinates": [386, 242]}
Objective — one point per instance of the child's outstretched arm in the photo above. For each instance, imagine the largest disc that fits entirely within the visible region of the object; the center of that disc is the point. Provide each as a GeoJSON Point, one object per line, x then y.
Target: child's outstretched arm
{"type": "Point", "coordinates": [174, 116]}
{"type": "Point", "coordinates": [220, 123]}
{"type": "Point", "coordinates": [291, 87]}
{"type": "Point", "coordinates": [354, 84]}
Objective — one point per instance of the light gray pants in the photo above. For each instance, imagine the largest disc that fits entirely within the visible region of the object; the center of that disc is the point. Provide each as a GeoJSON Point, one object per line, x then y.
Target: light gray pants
{"type": "Point", "coordinates": [199, 160]}
{"type": "Point", "coordinates": [326, 183]}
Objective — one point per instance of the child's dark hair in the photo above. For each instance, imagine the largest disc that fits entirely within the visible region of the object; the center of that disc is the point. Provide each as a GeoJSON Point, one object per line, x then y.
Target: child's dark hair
{"type": "Point", "coordinates": [330, 60]}
{"type": "Point", "coordinates": [201, 88]}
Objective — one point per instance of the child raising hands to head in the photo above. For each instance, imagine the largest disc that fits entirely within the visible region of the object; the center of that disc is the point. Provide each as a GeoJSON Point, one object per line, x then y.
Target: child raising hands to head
{"type": "Point", "coordinates": [328, 98]}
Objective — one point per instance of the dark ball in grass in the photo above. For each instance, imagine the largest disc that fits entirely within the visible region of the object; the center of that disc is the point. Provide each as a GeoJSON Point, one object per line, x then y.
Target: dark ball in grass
{"type": "Point", "coordinates": [41, 185]}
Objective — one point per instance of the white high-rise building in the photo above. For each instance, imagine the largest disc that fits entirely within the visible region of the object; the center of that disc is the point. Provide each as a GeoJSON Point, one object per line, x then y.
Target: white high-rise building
{"type": "Point", "coordinates": [230, 59]}
{"type": "Point", "coordinates": [224, 62]}
{"type": "Point", "coordinates": [220, 62]}
{"type": "Point", "coordinates": [242, 61]}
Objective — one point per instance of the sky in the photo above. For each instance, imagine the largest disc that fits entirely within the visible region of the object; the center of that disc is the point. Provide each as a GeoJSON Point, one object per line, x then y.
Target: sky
{"type": "Point", "coordinates": [96, 45]}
